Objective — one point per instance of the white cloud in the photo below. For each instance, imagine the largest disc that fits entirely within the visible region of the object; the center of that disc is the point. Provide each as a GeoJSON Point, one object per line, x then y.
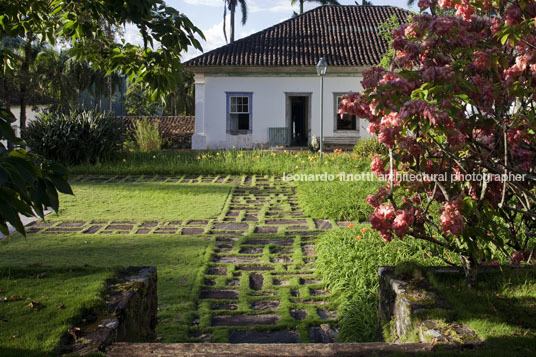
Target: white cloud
{"type": "Point", "coordinates": [212, 3]}
{"type": "Point", "coordinates": [215, 38]}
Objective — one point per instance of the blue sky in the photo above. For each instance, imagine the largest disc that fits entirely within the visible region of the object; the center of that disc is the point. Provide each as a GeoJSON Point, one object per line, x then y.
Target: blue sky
{"type": "Point", "coordinates": [208, 16]}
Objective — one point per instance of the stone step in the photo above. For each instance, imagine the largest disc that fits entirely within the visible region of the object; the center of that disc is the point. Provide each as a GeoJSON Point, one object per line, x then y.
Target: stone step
{"type": "Point", "coordinates": [265, 350]}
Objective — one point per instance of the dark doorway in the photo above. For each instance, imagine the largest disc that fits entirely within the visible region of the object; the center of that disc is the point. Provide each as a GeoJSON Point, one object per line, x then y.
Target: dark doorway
{"type": "Point", "coordinates": [298, 120]}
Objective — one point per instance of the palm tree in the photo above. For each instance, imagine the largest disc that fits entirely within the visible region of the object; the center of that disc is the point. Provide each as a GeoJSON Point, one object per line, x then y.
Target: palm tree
{"type": "Point", "coordinates": [103, 86]}
{"type": "Point", "coordinates": [323, 2]}
{"type": "Point", "coordinates": [231, 6]}
{"type": "Point", "coordinates": [79, 73]}
{"type": "Point", "coordinates": [50, 67]}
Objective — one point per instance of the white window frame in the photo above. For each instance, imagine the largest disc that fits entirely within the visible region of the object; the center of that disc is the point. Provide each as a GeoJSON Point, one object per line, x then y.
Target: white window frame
{"type": "Point", "coordinates": [230, 124]}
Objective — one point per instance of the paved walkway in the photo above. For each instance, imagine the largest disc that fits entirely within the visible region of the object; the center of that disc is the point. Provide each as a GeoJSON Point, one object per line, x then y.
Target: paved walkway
{"type": "Point", "coordinates": [259, 283]}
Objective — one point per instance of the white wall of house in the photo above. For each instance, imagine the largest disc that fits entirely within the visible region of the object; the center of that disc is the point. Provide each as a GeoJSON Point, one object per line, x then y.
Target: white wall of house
{"type": "Point", "coordinates": [269, 107]}
{"type": "Point", "coordinates": [31, 115]}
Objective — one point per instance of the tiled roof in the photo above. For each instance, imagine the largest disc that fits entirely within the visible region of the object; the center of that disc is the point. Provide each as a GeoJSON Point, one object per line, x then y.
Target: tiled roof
{"type": "Point", "coordinates": [168, 126]}
{"type": "Point", "coordinates": [343, 35]}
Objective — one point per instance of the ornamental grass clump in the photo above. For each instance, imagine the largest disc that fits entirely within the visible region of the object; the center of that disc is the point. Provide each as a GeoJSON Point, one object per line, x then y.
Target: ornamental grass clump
{"type": "Point", "coordinates": [75, 137]}
{"type": "Point", "coordinates": [147, 135]}
{"type": "Point", "coordinates": [456, 115]}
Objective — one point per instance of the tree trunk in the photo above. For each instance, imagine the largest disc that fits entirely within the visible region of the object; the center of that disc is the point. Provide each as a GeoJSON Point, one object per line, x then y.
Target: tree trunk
{"type": "Point", "coordinates": [301, 7]}
{"type": "Point", "coordinates": [470, 269]}
{"type": "Point", "coordinates": [23, 89]}
{"type": "Point", "coordinates": [6, 98]}
{"type": "Point", "coordinates": [110, 94]}
{"type": "Point", "coordinates": [233, 8]}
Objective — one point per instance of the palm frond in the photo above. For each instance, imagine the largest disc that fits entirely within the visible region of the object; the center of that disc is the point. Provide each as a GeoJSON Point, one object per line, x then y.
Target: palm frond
{"type": "Point", "coordinates": [244, 8]}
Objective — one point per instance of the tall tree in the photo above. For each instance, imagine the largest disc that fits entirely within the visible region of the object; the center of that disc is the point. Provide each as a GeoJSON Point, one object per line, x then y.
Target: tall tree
{"type": "Point", "coordinates": [50, 70]}
{"type": "Point", "coordinates": [322, 2]}
{"type": "Point", "coordinates": [231, 5]}
{"type": "Point", "coordinates": [79, 73]}
{"type": "Point", "coordinates": [29, 183]}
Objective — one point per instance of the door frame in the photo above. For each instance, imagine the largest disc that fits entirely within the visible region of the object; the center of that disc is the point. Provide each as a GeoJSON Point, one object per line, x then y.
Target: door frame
{"type": "Point", "coordinates": [288, 114]}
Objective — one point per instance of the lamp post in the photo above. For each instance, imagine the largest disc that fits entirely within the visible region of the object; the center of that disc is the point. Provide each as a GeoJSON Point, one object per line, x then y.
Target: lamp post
{"type": "Point", "coordinates": [321, 70]}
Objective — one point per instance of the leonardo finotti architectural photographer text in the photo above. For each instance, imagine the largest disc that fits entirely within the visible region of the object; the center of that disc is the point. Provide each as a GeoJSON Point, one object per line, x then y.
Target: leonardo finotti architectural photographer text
{"type": "Point", "coordinates": [409, 177]}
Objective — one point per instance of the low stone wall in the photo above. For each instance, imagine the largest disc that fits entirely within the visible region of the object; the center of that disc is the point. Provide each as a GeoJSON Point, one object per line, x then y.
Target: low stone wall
{"type": "Point", "coordinates": [131, 303]}
{"type": "Point", "coordinates": [403, 306]}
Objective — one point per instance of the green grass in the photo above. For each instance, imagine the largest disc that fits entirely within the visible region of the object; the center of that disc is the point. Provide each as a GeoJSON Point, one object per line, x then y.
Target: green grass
{"type": "Point", "coordinates": [349, 266]}
{"type": "Point", "coordinates": [501, 309]}
{"type": "Point", "coordinates": [142, 202]}
{"type": "Point", "coordinates": [178, 259]}
{"type": "Point", "coordinates": [342, 201]}
{"type": "Point", "coordinates": [61, 294]}
{"type": "Point", "coordinates": [330, 200]}
{"type": "Point", "coordinates": [227, 162]}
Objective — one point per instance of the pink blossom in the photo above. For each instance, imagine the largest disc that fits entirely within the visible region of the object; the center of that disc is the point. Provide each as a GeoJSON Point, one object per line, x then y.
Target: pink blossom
{"type": "Point", "coordinates": [520, 256]}
{"type": "Point", "coordinates": [513, 15]}
{"type": "Point", "coordinates": [377, 199]}
{"type": "Point", "coordinates": [451, 219]}
{"type": "Point", "coordinates": [465, 10]}
{"type": "Point", "coordinates": [377, 166]}
{"type": "Point", "coordinates": [480, 60]}
{"type": "Point", "coordinates": [372, 76]}
{"type": "Point", "coordinates": [424, 4]}
{"type": "Point", "coordinates": [402, 222]}
{"type": "Point", "coordinates": [445, 4]}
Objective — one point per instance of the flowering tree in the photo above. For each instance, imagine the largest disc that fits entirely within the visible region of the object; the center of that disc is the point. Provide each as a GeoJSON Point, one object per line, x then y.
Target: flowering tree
{"type": "Point", "coordinates": [457, 110]}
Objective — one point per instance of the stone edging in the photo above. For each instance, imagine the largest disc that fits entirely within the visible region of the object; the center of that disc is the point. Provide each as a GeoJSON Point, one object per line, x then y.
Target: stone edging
{"type": "Point", "coordinates": [131, 302]}
{"type": "Point", "coordinates": [402, 304]}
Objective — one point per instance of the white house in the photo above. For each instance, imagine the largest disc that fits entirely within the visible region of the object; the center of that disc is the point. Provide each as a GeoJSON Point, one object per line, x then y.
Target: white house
{"type": "Point", "coordinates": [263, 90]}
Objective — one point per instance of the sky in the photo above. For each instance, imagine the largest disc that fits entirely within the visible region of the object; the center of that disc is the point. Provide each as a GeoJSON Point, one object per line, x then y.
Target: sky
{"type": "Point", "coordinates": [208, 16]}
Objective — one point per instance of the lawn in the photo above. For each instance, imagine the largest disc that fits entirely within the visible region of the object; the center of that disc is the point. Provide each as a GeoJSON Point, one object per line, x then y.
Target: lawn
{"type": "Point", "coordinates": [142, 201]}
{"type": "Point", "coordinates": [501, 309]}
{"type": "Point", "coordinates": [65, 272]}
{"type": "Point", "coordinates": [328, 200]}
{"type": "Point", "coordinates": [38, 304]}
{"type": "Point", "coordinates": [178, 260]}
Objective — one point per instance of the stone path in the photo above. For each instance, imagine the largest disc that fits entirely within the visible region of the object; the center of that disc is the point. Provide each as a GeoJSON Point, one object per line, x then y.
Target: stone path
{"type": "Point", "coordinates": [259, 283]}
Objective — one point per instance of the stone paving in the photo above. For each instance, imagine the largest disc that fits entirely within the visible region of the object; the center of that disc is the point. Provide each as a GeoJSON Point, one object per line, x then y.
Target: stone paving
{"type": "Point", "coordinates": [259, 283]}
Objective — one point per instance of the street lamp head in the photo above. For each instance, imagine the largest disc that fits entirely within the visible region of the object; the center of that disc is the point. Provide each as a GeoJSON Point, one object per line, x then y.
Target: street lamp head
{"type": "Point", "coordinates": [322, 67]}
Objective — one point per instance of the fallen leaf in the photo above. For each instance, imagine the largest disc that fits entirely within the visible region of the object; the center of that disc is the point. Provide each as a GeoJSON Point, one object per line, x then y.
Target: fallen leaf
{"type": "Point", "coordinates": [3, 298]}
{"type": "Point", "coordinates": [42, 275]}
{"type": "Point", "coordinates": [14, 336]}
{"type": "Point", "coordinates": [2, 291]}
{"type": "Point", "coordinates": [61, 307]}
{"type": "Point", "coordinates": [35, 305]}
{"type": "Point", "coordinates": [74, 332]}
{"type": "Point", "coordinates": [15, 298]}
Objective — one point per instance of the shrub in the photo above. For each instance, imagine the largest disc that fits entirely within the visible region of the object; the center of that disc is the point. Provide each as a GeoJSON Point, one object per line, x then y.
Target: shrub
{"type": "Point", "coordinates": [75, 137]}
{"type": "Point", "coordinates": [458, 121]}
{"type": "Point", "coordinates": [147, 135]}
{"type": "Point", "coordinates": [348, 261]}
{"type": "Point", "coordinates": [369, 147]}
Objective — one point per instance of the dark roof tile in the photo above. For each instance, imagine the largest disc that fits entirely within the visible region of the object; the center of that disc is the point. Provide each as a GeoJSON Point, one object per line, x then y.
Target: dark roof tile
{"type": "Point", "coordinates": [344, 35]}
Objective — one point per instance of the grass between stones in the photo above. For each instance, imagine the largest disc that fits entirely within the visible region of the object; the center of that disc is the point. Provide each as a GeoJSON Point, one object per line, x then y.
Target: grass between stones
{"type": "Point", "coordinates": [324, 200]}
{"type": "Point", "coordinates": [226, 283]}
